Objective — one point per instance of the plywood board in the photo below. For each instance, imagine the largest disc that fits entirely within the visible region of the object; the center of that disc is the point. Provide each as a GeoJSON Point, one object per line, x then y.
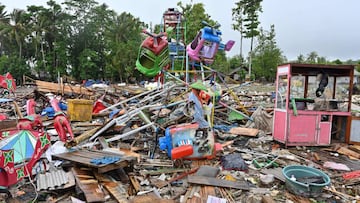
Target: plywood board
{"type": "Point", "coordinates": [202, 180]}
{"type": "Point", "coordinates": [85, 157]}
{"type": "Point", "coordinates": [244, 131]}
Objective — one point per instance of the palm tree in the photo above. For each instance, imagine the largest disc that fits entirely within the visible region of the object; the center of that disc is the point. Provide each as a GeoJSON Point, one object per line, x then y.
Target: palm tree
{"type": "Point", "coordinates": [4, 20]}
{"type": "Point", "coordinates": [16, 28]}
{"type": "Point", "coordinates": [4, 17]}
{"type": "Point", "coordinates": [38, 26]}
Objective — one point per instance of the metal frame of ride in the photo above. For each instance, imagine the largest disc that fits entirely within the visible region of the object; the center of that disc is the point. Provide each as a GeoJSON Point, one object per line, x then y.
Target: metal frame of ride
{"type": "Point", "coordinates": [156, 59]}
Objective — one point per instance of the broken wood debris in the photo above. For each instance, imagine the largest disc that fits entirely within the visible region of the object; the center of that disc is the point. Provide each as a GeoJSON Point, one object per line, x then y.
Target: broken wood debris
{"type": "Point", "coordinates": [128, 129]}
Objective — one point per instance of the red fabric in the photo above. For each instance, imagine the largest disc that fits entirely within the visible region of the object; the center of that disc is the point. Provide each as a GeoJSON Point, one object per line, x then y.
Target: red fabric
{"type": "Point", "coordinates": [98, 106]}
{"type": "Point", "coordinates": [351, 175]}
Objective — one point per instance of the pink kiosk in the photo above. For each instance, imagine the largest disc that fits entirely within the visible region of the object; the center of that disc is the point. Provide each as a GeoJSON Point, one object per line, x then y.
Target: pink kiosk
{"type": "Point", "coordinates": [312, 104]}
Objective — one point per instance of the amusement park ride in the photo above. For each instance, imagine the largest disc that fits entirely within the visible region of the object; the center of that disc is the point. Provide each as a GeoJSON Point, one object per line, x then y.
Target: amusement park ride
{"type": "Point", "coordinates": [21, 146]}
{"type": "Point", "coordinates": [161, 55]}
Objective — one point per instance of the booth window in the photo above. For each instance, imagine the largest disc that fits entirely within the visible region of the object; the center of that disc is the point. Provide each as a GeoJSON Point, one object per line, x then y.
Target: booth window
{"type": "Point", "coordinates": [282, 92]}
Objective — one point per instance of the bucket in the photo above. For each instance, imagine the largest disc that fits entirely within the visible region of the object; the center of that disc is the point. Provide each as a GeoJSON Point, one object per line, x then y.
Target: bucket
{"type": "Point", "coordinates": [305, 181]}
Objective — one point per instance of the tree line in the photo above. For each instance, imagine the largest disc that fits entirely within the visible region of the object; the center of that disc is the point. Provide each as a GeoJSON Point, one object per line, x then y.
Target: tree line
{"type": "Point", "coordinates": [82, 39]}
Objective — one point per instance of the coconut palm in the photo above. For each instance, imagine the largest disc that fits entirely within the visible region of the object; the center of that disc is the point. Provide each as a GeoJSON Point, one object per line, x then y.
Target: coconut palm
{"type": "Point", "coordinates": [4, 20]}
{"type": "Point", "coordinates": [15, 29]}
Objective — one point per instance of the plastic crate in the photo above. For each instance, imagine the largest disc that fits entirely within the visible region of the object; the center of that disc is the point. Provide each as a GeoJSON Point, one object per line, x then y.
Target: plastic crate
{"type": "Point", "coordinates": [80, 109]}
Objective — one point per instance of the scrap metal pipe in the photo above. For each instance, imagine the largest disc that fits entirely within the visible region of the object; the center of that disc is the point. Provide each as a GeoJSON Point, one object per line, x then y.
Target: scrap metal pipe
{"type": "Point", "coordinates": [119, 120]}
{"type": "Point", "coordinates": [118, 137]}
{"type": "Point", "coordinates": [126, 100]}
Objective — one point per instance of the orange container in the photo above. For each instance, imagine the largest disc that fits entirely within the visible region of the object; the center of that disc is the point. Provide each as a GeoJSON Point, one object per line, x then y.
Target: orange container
{"type": "Point", "coordinates": [182, 151]}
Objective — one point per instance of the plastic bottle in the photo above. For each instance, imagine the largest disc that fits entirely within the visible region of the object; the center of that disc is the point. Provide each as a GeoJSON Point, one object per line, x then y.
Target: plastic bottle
{"type": "Point", "coordinates": [292, 178]}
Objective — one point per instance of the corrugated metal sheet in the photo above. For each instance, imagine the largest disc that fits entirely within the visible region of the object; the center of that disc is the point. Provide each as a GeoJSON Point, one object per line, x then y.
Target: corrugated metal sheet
{"type": "Point", "coordinates": [52, 180]}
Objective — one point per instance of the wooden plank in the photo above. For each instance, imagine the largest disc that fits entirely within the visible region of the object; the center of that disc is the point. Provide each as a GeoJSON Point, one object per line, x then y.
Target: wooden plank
{"type": "Point", "coordinates": [130, 153]}
{"type": "Point", "coordinates": [267, 199]}
{"type": "Point", "coordinates": [161, 171]}
{"type": "Point", "coordinates": [202, 180]}
{"type": "Point", "coordinates": [8, 124]}
{"type": "Point", "coordinates": [179, 177]}
{"type": "Point", "coordinates": [348, 152]}
{"type": "Point", "coordinates": [89, 187]}
{"type": "Point", "coordinates": [344, 196]}
{"type": "Point", "coordinates": [56, 88]}
{"type": "Point", "coordinates": [151, 197]}
{"type": "Point", "coordinates": [244, 131]}
{"type": "Point", "coordinates": [113, 166]}
{"type": "Point", "coordinates": [85, 156]}
{"type": "Point", "coordinates": [116, 189]}
{"type": "Point", "coordinates": [135, 183]}
{"type": "Point", "coordinates": [93, 154]}
{"type": "Point", "coordinates": [84, 135]}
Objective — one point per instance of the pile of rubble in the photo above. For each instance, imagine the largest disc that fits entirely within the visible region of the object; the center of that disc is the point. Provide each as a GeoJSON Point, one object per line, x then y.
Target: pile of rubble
{"type": "Point", "coordinates": [135, 144]}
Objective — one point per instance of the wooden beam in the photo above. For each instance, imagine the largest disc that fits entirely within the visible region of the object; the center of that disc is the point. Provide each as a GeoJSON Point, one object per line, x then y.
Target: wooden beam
{"type": "Point", "coordinates": [88, 184]}
{"type": "Point", "coordinates": [81, 137]}
{"type": "Point", "coordinates": [66, 88]}
{"type": "Point", "coordinates": [203, 180]}
{"type": "Point", "coordinates": [135, 183]}
{"type": "Point", "coordinates": [348, 152]}
{"type": "Point", "coordinates": [244, 131]}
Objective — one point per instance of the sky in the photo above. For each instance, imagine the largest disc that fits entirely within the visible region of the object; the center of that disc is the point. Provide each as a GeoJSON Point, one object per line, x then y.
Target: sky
{"type": "Point", "coordinates": [328, 27]}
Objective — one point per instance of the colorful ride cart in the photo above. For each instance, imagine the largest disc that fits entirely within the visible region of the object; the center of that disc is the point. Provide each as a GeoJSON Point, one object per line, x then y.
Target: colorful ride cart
{"type": "Point", "coordinates": [206, 44]}
{"type": "Point", "coordinates": [153, 54]}
{"type": "Point", "coordinates": [188, 141]}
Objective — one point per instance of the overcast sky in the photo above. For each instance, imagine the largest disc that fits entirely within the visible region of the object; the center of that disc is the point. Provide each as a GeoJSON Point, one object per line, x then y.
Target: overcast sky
{"type": "Point", "coordinates": [328, 27]}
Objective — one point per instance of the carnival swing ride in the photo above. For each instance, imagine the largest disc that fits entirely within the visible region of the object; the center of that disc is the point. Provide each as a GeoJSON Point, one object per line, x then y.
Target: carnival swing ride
{"type": "Point", "coordinates": [22, 146]}
{"type": "Point", "coordinates": [165, 56]}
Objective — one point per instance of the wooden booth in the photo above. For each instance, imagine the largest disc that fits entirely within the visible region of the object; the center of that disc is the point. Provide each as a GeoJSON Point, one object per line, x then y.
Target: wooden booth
{"type": "Point", "coordinates": [313, 104]}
